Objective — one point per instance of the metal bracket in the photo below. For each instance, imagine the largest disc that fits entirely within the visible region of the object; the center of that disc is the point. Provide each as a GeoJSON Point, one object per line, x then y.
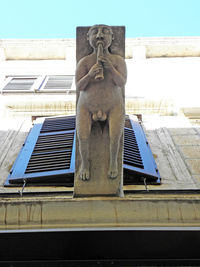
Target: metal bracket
{"type": "Point", "coordinates": [24, 184]}
{"type": "Point", "coordinates": [145, 184]}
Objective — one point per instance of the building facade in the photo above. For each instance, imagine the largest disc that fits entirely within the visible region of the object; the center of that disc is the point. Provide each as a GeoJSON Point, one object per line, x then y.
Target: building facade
{"type": "Point", "coordinates": [156, 222]}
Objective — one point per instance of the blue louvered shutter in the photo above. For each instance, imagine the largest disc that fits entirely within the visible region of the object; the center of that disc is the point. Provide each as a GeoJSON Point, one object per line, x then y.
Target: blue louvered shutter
{"type": "Point", "coordinates": [48, 155]}
{"type": "Point", "coordinates": [138, 158]}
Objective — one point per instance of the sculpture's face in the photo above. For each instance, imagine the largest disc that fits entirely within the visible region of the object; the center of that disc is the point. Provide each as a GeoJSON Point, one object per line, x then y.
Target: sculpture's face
{"type": "Point", "coordinates": [100, 34]}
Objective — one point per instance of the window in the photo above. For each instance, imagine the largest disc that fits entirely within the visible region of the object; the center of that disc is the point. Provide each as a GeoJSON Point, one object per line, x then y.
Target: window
{"type": "Point", "coordinates": [48, 155]}
{"type": "Point", "coordinates": [20, 84]}
{"type": "Point", "coordinates": [39, 84]}
{"type": "Point", "coordinates": [58, 83]}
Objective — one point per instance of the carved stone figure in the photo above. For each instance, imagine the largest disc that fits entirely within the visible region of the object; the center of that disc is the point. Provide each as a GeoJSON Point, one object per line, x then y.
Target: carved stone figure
{"type": "Point", "coordinates": [100, 81]}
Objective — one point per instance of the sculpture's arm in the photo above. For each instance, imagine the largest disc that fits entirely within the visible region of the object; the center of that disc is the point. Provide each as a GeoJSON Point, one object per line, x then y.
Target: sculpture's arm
{"type": "Point", "coordinates": [119, 73]}
{"type": "Point", "coordinates": [83, 77]}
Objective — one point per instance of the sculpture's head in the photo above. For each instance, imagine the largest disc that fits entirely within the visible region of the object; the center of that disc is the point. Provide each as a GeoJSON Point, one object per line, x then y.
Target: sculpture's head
{"type": "Point", "coordinates": [100, 34]}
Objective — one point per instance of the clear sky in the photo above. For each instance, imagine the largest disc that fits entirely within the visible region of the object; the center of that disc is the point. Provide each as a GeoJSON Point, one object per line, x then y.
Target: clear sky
{"type": "Point", "coordinates": [59, 18]}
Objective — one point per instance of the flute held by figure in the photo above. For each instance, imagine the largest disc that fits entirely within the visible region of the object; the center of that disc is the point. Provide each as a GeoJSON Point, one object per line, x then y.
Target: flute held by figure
{"type": "Point", "coordinates": [99, 76]}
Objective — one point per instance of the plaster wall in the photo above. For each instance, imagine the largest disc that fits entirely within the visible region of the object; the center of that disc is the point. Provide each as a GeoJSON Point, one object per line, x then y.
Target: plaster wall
{"type": "Point", "coordinates": [155, 85]}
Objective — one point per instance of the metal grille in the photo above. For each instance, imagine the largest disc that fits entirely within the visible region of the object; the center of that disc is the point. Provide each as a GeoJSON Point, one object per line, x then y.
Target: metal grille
{"type": "Point", "coordinates": [18, 84]}
{"type": "Point", "coordinates": [59, 124]}
{"type": "Point", "coordinates": [51, 152]}
{"type": "Point", "coordinates": [59, 82]}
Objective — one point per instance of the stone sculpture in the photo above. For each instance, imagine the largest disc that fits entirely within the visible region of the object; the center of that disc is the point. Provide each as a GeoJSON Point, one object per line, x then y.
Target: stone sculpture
{"type": "Point", "coordinates": [100, 81]}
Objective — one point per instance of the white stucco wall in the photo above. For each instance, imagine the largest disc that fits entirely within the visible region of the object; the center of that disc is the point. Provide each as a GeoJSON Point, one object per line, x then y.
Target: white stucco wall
{"type": "Point", "coordinates": [161, 71]}
{"type": "Point", "coordinates": [165, 78]}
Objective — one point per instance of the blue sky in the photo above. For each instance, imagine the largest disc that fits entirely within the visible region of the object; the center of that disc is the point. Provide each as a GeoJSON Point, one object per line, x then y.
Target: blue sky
{"type": "Point", "coordinates": [59, 18]}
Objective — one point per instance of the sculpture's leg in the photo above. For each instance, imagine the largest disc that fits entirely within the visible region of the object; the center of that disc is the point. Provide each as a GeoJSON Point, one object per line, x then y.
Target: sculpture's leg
{"type": "Point", "coordinates": [116, 126]}
{"type": "Point", "coordinates": [83, 130]}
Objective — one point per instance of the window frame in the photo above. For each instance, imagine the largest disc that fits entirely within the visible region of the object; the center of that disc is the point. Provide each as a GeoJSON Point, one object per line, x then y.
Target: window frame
{"type": "Point", "coordinates": [35, 86]}
{"type": "Point", "coordinates": [46, 79]}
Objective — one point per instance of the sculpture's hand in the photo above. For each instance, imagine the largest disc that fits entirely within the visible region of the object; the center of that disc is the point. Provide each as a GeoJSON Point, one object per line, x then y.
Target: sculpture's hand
{"type": "Point", "coordinates": [107, 64]}
{"type": "Point", "coordinates": [118, 73]}
{"type": "Point", "coordinates": [95, 69]}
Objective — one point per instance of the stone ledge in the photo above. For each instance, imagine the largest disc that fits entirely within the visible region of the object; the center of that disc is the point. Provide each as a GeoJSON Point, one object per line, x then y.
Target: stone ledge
{"type": "Point", "coordinates": [39, 213]}
{"type": "Point", "coordinates": [135, 47]}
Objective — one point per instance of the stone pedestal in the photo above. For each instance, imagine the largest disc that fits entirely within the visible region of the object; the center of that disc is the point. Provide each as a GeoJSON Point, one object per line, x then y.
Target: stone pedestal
{"type": "Point", "coordinates": [99, 183]}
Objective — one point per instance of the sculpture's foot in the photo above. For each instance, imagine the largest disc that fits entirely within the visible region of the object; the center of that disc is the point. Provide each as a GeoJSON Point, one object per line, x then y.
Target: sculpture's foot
{"type": "Point", "coordinates": [84, 174]}
{"type": "Point", "coordinates": [113, 172]}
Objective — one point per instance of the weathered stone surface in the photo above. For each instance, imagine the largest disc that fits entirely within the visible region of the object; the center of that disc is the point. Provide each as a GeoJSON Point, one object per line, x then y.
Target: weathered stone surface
{"type": "Point", "coordinates": [83, 47]}
{"type": "Point", "coordinates": [139, 211]}
{"type": "Point", "coordinates": [187, 139]}
{"type": "Point", "coordinates": [173, 157]}
{"type": "Point", "coordinates": [194, 165]}
{"type": "Point", "coordinates": [182, 131]}
{"type": "Point", "coordinates": [197, 178]}
{"type": "Point", "coordinates": [99, 183]}
{"type": "Point", "coordinates": [100, 80]}
{"type": "Point", "coordinates": [190, 151]}
{"type": "Point", "coordinates": [11, 142]}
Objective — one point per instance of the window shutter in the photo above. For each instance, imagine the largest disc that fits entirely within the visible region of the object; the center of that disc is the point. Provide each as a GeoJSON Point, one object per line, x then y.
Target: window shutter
{"type": "Point", "coordinates": [138, 159]}
{"type": "Point", "coordinates": [48, 156]}
{"type": "Point", "coordinates": [58, 83]}
{"type": "Point", "coordinates": [19, 84]}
